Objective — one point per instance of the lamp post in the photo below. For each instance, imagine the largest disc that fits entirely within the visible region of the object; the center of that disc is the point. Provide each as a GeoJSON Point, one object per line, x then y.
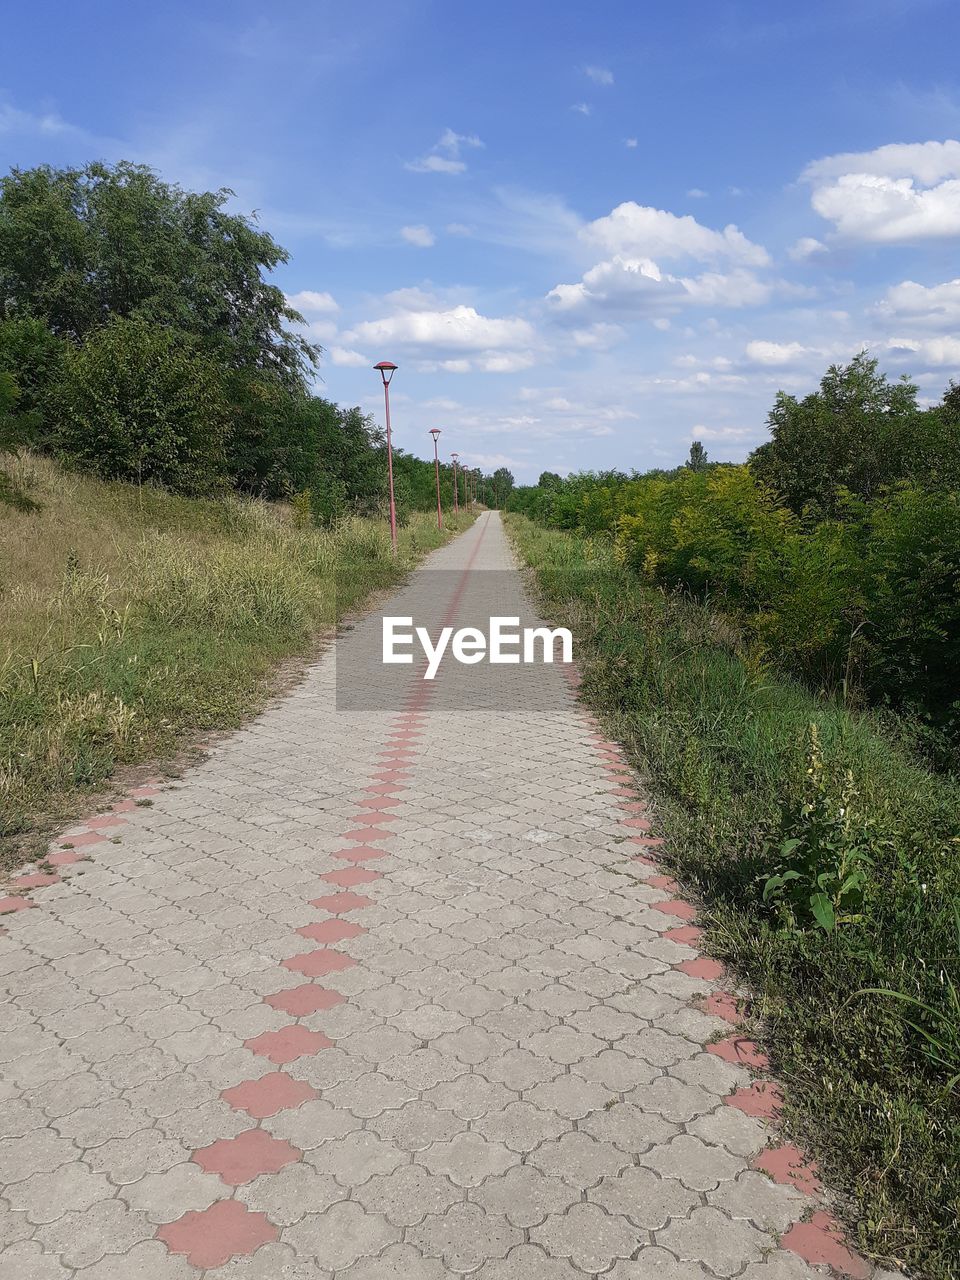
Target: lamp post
{"type": "Point", "coordinates": [386, 370]}
{"type": "Point", "coordinates": [456, 494]}
{"type": "Point", "coordinates": [435, 432]}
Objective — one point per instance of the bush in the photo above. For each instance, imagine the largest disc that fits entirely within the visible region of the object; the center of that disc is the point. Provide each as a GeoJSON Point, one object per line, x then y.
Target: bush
{"type": "Point", "coordinates": [142, 403]}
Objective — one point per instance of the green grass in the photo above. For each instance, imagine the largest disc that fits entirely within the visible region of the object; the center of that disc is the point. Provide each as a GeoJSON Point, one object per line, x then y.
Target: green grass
{"type": "Point", "coordinates": [133, 619]}
{"type": "Point", "coordinates": [725, 746]}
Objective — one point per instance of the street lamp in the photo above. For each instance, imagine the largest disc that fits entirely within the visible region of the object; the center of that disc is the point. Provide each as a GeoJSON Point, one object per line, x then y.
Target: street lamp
{"type": "Point", "coordinates": [435, 432]}
{"type": "Point", "coordinates": [386, 370]}
{"type": "Point", "coordinates": [456, 495]}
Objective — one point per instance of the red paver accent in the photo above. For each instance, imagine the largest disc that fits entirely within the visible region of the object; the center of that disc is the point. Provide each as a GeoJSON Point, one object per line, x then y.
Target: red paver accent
{"type": "Point", "coordinates": [385, 788]}
{"type": "Point", "coordinates": [372, 819]}
{"type": "Point", "coordinates": [15, 904]}
{"type": "Point", "coordinates": [352, 875]}
{"type": "Point", "coordinates": [337, 903]}
{"type": "Point", "coordinates": [331, 930]}
{"type": "Point", "coordinates": [664, 882]}
{"type": "Point", "coordinates": [638, 824]}
{"type": "Point", "coordinates": [36, 880]}
{"type": "Point", "coordinates": [820, 1241]}
{"type": "Point", "coordinates": [361, 834]}
{"type": "Point", "coordinates": [789, 1165]}
{"type": "Point", "coordinates": [648, 842]}
{"type": "Point", "coordinates": [701, 967]}
{"type": "Point", "coordinates": [106, 820]}
{"type": "Point", "coordinates": [228, 1229]}
{"type": "Point", "coordinates": [65, 858]}
{"type": "Point", "coordinates": [143, 793]}
{"type": "Point", "coordinates": [380, 803]}
{"type": "Point", "coordinates": [642, 858]}
{"type": "Point", "coordinates": [359, 853]}
{"type": "Point", "coordinates": [396, 778]}
{"type": "Point", "coordinates": [81, 841]}
{"type": "Point", "coordinates": [123, 806]}
{"type": "Point", "coordinates": [288, 1043]}
{"type": "Point", "coordinates": [268, 1095]}
{"type": "Point", "coordinates": [635, 806]}
{"type": "Point", "coordinates": [762, 1098]}
{"type": "Point", "coordinates": [687, 934]}
{"type": "Point", "coordinates": [300, 1001]}
{"type": "Point", "coordinates": [316, 963]}
{"type": "Point", "coordinates": [740, 1051]}
{"type": "Point", "coordinates": [720, 1004]}
{"type": "Point", "coordinates": [682, 910]}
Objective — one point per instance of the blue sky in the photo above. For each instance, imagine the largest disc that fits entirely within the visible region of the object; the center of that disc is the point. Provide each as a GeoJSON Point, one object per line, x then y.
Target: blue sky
{"type": "Point", "coordinates": [587, 233]}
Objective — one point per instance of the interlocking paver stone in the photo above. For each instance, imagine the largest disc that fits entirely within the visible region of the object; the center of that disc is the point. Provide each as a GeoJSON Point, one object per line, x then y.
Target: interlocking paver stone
{"type": "Point", "coordinates": [389, 993]}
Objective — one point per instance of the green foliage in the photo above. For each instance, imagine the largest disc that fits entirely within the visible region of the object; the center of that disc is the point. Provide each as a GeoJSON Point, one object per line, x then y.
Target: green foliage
{"type": "Point", "coordinates": [822, 862]}
{"type": "Point", "coordinates": [78, 246]}
{"type": "Point", "coordinates": [697, 461]}
{"type": "Point", "coordinates": [33, 355]}
{"type": "Point", "coordinates": [144, 404]}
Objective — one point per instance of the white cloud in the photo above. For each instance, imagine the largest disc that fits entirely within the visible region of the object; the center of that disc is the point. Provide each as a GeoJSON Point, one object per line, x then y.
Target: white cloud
{"type": "Point", "coordinates": [309, 302]}
{"type": "Point", "coordinates": [419, 235]}
{"type": "Point", "coordinates": [584, 108]}
{"type": "Point", "coordinates": [898, 194]}
{"type": "Point", "coordinates": [599, 75]}
{"type": "Point", "coordinates": [639, 284]}
{"type": "Point", "coordinates": [695, 193]}
{"type": "Point", "coordinates": [347, 357]}
{"type": "Point", "coordinates": [445, 156]}
{"type": "Point", "coordinates": [459, 229]}
{"type": "Point", "coordinates": [641, 231]}
{"type": "Point", "coordinates": [775, 354]}
{"type": "Point", "coordinates": [805, 248]}
{"type": "Point", "coordinates": [936, 305]}
{"type": "Point", "coordinates": [928, 353]}
{"type": "Point", "coordinates": [631, 143]}
{"type": "Point", "coordinates": [454, 340]}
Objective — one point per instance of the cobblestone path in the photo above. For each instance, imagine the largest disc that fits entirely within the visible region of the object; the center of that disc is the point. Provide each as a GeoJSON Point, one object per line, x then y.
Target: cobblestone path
{"type": "Point", "coordinates": [387, 994]}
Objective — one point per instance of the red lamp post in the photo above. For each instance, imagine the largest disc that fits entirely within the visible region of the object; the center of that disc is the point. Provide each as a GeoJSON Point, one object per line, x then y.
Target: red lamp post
{"type": "Point", "coordinates": [386, 370]}
{"type": "Point", "coordinates": [456, 492]}
{"type": "Point", "coordinates": [435, 432]}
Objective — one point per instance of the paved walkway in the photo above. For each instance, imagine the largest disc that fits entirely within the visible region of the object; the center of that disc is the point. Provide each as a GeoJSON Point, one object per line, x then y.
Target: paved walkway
{"type": "Point", "coordinates": [386, 995]}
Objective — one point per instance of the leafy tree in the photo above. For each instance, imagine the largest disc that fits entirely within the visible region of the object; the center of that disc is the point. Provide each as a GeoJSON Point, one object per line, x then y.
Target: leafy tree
{"type": "Point", "coordinates": [81, 246]}
{"type": "Point", "coordinates": [145, 404]}
{"type": "Point", "coordinates": [854, 433]}
{"type": "Point", "coordinates": [32, 355]}
{"type": "Point", "coordinates": [697, 460]}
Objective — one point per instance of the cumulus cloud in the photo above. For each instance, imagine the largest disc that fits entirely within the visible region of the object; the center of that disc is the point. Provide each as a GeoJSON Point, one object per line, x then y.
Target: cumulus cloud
{"type": "Point", "coordinates": [696, 193]}
{"type": "Point", "coordinates": [937, 305]}
{"type": "Point", "coordinates": [641, 231]}
{"type": "Point", "coordinates": [926, 353]}
{"type": "Point", "coordinates": [446, 155]}
{"type": "Point", "coordinates": [898, 194]}
{"type": "Point", "coordinates": [805, 248]}
{"type": "Point", "coordinates": [777, 354]}
{"type": "Point", "coordinates": [309, 302]}
{"type": "Point", "coordinates": [584, 108]}
{"type": "Point", "coordinates": [638, 284]}
{"type": "Point", "coordinates": [345, 356]}
{"type": "Point", "coordinates": [599, 75]}
{"type": "Point", "coordinates": [419, 235]}
{"type": "Point", "coordinates": [701, 432]}
{"type": "Point", "coordinates": [455, 339]}
{"type": "Point", "coordinates": [631, 143]}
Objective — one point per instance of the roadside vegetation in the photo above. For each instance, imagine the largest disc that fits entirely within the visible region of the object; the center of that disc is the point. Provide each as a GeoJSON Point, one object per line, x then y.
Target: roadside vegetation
{"type": "Point", "coordinates": [776, 644]}
{"type": "Point", "coordinates": [134, 619]}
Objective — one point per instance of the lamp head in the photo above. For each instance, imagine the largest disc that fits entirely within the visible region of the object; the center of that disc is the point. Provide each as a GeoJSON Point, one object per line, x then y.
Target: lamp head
{"type": "Point", "coordinates": [386, 369]}
{"type": "Point", "coordinates": [434, 431]}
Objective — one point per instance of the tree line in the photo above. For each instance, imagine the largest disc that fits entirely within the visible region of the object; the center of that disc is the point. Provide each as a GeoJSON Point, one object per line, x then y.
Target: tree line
{"type": "Point", "coordinates": [141, 340]}
{"type": "Point", "coordinates": [836, 546]}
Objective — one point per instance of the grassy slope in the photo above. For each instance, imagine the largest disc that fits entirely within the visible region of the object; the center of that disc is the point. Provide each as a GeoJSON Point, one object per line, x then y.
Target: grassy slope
{"type": "Point", "coordinates": [724, 748]}
{"type": "Point", "coordinates": [132, 619]}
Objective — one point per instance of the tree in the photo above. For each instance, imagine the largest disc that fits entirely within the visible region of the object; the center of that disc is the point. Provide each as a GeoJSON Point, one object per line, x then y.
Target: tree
{"type": "Point", "coordinates": [697, 460]}
{"type": "Point", "coordinates": [81, 246]}
{"type": "Point", "coordinates": [503, 483]}
{"type": "Point", "coordinates": [854, 433]}
{"type": "Point", "coordinates": [144, 404]}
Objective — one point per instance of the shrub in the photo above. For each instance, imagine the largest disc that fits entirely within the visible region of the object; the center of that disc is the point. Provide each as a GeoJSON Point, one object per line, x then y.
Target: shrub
{"type": "Point", "coordinates": [142, 403]}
